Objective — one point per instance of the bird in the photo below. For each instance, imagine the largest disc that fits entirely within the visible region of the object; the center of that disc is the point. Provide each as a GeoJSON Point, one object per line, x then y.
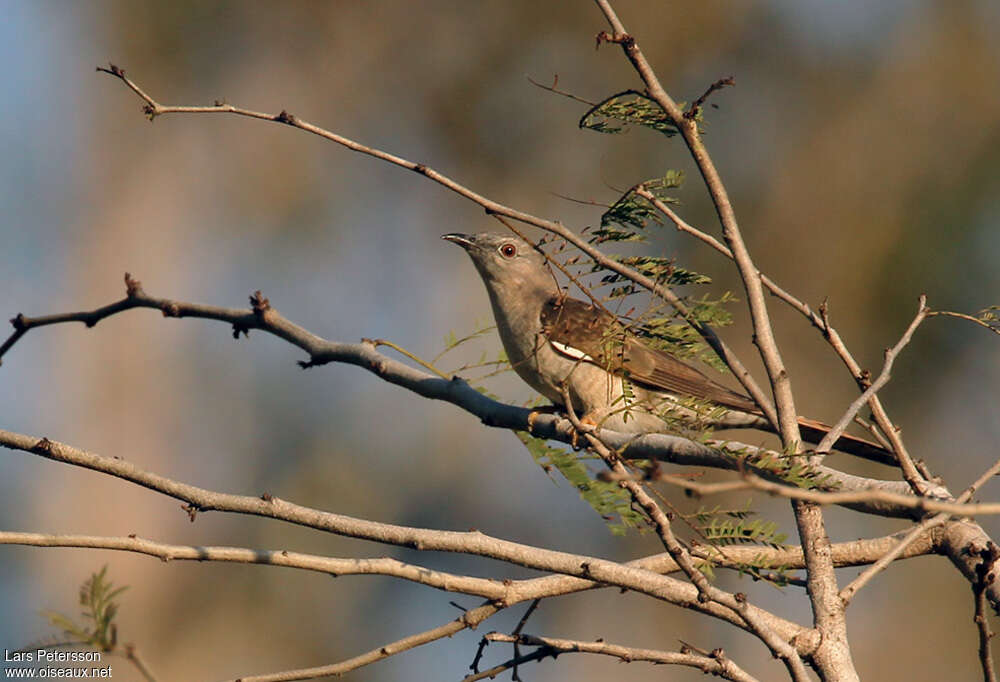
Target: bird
{"type": "Point", "coordinates": [573, 351]}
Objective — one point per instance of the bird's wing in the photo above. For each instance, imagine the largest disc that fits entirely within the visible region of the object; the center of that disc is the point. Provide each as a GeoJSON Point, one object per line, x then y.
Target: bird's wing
{"type": "Point", "coordinates": [590, 334]}
{"type": "Point", "coordinates": [587, 333]}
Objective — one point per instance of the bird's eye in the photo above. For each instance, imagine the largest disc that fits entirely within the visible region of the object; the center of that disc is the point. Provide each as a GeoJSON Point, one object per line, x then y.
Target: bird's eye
{"type": "Point", "coordinates": [508, 250]}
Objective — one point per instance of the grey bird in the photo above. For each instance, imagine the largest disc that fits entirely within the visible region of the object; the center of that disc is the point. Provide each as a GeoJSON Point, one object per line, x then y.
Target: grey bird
{"type": "Point", "coordinates": [564, 346]}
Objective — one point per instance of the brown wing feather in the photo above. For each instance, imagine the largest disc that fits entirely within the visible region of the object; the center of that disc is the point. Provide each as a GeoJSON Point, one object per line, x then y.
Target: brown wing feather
{"type": "Point", "coordinates": [600, 335]}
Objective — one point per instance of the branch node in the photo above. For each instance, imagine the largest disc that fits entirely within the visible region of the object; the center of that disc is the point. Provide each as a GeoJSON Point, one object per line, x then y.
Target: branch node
{"type": "Point", "coordinates": [191, 510]}
{"type": "Point", "coordinates": [171, 309]}
{"type": "Point", "coordinates": [44, 447]}
{"type": "Point", "coordinates": [623, 39]}
{"type": "Point", "coordinates": [692, 111]}
{"type": "Point", "coordinates": [133, 287]}
{"type": "Point", "coordinates": [865, 381]}
{"type": "Point", "coordinates": [113, 70]}
{"type": "Point", "coordinates": [315, 360]}
{"type": "Point", "coordinates": [286, 118]}
{"type": "Point", "coordinates": [259, 304]}
{"type": "Point", "coordinates": [19, 322]}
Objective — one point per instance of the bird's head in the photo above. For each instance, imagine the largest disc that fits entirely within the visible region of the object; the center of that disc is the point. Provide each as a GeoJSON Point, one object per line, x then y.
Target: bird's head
{"type": "Point", "coordinates": [505, 261]}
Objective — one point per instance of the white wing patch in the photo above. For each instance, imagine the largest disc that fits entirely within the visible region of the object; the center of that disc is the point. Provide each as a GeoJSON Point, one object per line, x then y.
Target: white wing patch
{"type": "Point", "coordinates": [569, 351]}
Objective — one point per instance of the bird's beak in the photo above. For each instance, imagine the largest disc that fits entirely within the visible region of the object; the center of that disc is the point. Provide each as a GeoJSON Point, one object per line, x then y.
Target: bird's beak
{"type": "Point", "coordinates": [464, 240]}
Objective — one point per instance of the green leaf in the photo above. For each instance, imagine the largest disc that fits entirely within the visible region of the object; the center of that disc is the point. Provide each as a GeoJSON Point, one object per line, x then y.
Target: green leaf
{"type": "Point", "coordinates": [618, 111]}
{"type": "Point", "coordinates": [633, 212]}
{"type": "Point", "coordinates": [788, 468]}
{"type": "Point", "coordinates": [608, 499]}
{"type": "Point", "coordinates": [97, 597]}
{"type": "Point", "coordinates": [663, 270]}
{"type": "Point", "coordinates": [730, 532]}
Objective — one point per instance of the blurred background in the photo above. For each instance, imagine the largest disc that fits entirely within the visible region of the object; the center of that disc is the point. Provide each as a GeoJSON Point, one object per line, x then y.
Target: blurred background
{"type": "Point", "coordinates": [861, 146]}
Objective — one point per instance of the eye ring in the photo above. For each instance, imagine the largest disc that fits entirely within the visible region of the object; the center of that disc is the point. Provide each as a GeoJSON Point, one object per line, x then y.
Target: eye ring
{"type": "Point", "coordinates": [508, 250]}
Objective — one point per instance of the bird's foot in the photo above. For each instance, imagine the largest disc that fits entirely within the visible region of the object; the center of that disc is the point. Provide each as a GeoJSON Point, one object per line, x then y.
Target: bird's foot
{"type": "Point", "coordinates": [537, 412]}
{"type": "Point", "coordinates": [587, 424]}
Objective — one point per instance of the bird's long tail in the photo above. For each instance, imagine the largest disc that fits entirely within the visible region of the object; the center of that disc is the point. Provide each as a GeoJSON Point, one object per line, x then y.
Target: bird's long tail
{"type": "Point", "coordinates": [814, 431]}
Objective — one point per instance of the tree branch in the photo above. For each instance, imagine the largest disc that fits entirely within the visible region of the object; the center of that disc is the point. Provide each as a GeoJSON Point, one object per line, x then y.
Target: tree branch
{"type": "Point", "coordinates": [472, 542]}
{"type": "Point", "coordinates": [449, 582]}
{"type": "Point", "coordinates": [469, 619]}
{"type": "Point", "coordinates": [910, 472]}
{"type": "Point", "coordinates": [715, 663]}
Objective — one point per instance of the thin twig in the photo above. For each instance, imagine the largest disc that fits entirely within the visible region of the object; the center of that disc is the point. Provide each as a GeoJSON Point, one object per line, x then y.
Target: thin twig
{"type": "Point", "coordinates": [714, 663]}
{"type": "Point", "coordinates": [750, 481]}
{"type": "Point", "coordinates": [914, 534]}
{"type": "Point", "coordinates": [984, 574]}
{"type": "Point", "coordinates": [535, 655]}
{"type": "Point", "coordinates": [469, 619]}
{"type": "Point", "coordinates": [450, 582]}
{"type": "Point", "coordinates": [132, 655]}
{"type": "Point", "coordinates": [517, 631]}
{"type": "Point", "coordinates": [910, 472]}
{"type": "Point", "coordinates": [695, 107]}
{"type": "Point", "coordinates": [993, 327]}
{"type": "Point", "coordinates": [554, 89]}
{"type": "Point", "coordinates": [402, 351]}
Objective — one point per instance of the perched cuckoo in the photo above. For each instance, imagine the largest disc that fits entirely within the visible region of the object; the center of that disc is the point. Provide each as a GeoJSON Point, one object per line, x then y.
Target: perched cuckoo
{"type": "Point", "coordinates": [560, 345]}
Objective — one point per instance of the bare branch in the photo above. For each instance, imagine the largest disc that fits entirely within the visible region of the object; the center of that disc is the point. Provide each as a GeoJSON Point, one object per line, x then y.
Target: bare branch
{"type": "Point", "coordinates": [984, 575]}
{"type": "Point", "coordinates": [914, 534]}
{"type": "Point", "coordinates": [133, 656]}
{"type": "Point", "coordinates": [472, 542]}
{"type": "Point", "coordinates": [853, 553]}
{"type": "Point", "coordinates": [469, 619]}
{"type": "Point", "coordinates": [910, 472]}
{"type": "Point", "coordinates": [750, 481]}
{"type": "Point", "coordinates": [450, 582]}
{"type": "Point", "coordinates": [553, 89]}
{"type": "Point", "coordinates": [715, 663]}
{"type": "Point", "coordinates": [695, 107]}
{"type": "Point", "coordinates": [536, 655]}
{"type": "Point", "coordinates": [991, 323]}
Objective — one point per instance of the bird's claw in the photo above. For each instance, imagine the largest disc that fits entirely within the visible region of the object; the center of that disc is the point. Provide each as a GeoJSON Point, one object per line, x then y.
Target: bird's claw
{"type": "Point", "coordinates": [587, 424]}
{"type": "Point", "coordinates": [536, 413]}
